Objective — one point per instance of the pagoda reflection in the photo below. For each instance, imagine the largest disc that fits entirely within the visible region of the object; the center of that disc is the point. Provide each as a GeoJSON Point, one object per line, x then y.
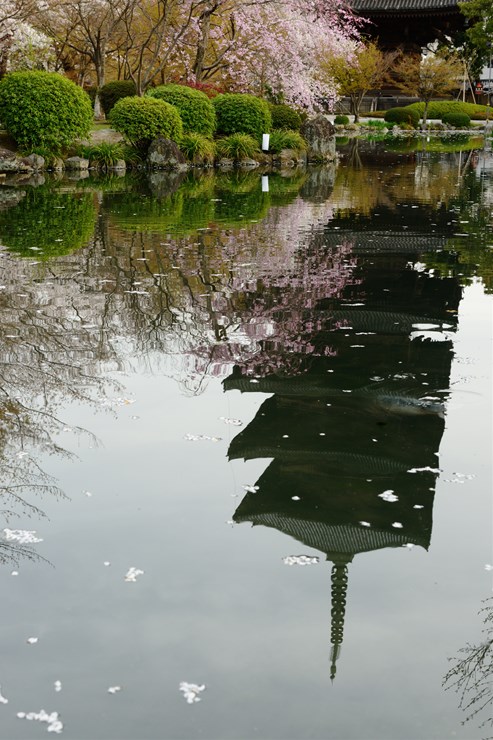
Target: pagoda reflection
{"type": "Point", "coordinates": [353, 436]}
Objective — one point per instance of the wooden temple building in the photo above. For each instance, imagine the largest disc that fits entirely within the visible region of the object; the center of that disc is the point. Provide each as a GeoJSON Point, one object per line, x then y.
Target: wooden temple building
{"type": "Point", "coordinates": [409, 24]}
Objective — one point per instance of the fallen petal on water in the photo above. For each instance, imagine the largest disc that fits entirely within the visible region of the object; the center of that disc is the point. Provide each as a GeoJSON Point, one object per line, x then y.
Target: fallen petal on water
{"type": "Point", "coordinates": [132, 574]}
{"type": "Point", "coordinates": [301, 560]}
{"type": "Point", "coordinates": [191, 691]}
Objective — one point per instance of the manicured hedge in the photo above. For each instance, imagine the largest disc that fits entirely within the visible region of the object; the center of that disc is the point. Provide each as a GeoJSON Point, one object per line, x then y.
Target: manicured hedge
{"type": "Point", "coordinates": [456, 119]}
{"type": "Point", "coordinates": [402, 115]}
{"type": "Point", "coordinates": [141, 120]}
{"type": "Point", "coordinates": [341, 120]}
{"type": "Point", "coordinates": [44, 110]}
{"type": "Point", "coordinates": [239, 113]}
{"type": "Point", "coordinates": [196, 110]}
{"type": "Point", "coordinates": [285, 117]}
{"type": "Point", "coordinates": [438, 108]}
{"type": "Point", "coordinates": [112, 92]}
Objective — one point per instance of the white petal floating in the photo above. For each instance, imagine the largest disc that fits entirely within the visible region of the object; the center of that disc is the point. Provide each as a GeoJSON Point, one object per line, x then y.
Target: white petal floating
{"type": "Point", "coordinates": [301, 560]}
{"type": "Point", "coordinates": [191, 691]}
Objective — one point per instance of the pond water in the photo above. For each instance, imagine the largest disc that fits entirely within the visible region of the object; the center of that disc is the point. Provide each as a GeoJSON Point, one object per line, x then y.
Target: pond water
{"type": "Point", "coordinates": [186, 356]}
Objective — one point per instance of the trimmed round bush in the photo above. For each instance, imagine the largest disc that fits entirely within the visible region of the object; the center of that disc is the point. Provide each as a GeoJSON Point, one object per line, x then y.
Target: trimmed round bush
{"type": "Point", "coordinates": [402, 115]}
{"type": "Point", "coordinates": [112, 92]}
{"type": "Point", "coordinates": [456, 119]}
{"type": "Point", "coordinates": [196, 110]}
{"type": "Point", "coordinates": [44, 109]}
{"type": "Point", "coordinates": [242, 113]}
{"type": "Point", "coordinates": [141, 120]}
{"type": "Point", "coordinates": [341, 120]}
{"type": "Point", "coordinates": [285, 117]}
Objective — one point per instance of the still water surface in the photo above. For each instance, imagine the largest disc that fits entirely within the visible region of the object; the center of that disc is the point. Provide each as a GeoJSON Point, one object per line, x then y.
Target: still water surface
{"type": "Point", "coordinates": [182, 357]}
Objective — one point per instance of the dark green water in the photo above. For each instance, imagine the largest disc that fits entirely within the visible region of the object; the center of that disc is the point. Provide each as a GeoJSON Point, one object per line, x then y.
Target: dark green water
{"type": "Point", "coordinates": [182, 357]}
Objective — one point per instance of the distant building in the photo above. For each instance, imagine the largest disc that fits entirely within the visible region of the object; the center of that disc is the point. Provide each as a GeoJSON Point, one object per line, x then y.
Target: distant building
{"type": "Point", "coordinates": [409, 24]}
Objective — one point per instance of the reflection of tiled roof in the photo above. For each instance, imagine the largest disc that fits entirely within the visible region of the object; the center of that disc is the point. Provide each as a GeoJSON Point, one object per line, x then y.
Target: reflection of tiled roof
{"type": "Point", "coordinates": [342, 538]}
{"type": "Point", "coordinates": [403, 6]}
{"type": "Point", "coordinates": [388, 241]}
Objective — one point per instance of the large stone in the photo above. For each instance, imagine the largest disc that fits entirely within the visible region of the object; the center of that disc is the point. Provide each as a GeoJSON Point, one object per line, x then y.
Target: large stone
{"type": "Point", "coordinates": [10, 162]}
{"type": "Point", "coordinates": [77, 163]}
{"type": "Point", "coordinates": [319, 133]}
{"type": "Point", "coordinates": [163, 154]}
{"type": "Point", "coordinates": [36, 161]}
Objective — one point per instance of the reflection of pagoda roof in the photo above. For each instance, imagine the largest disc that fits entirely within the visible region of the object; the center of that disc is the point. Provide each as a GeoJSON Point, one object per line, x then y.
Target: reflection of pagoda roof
{"type": "Point", "coordinates": [366, 242]}
{"type": "Point", "coordinates": [342, 538]}
{"type": "Point", "coordinates": [325, 511]}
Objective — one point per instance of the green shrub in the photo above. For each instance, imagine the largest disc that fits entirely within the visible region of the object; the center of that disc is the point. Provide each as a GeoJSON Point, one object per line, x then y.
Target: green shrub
{"type": "Point", "coordinates": [456, 119]}
{"type": "Point", "coordinates": [376, 124]}
{"type": "Point", "coordinates": [44, 109]}
{"type": "Point", "coordinates": [246, 114]}
{"type": "Point", "coordinates": [402, 115]}
{"type": "Point", "coordinates": [286, 140]}
{"type": "Point", "coordinates": [285, 117]}
{"type": "Point", "coordinates": [196, 110]}
{"type": "Point", "coordinates": [103, 155]}
{"type": "Point", "coordinates": [112, 92]}
{"type": "Point", "coordinates": [341, 120]}
{"type": "Point", "coordinates": [237, 146]}
{"type": "Point", "coordinates": [197, 148]}
{"type": "Point", "coordinates": [141, 120]}
{"type": "Point", "coordinates": [438, 108]}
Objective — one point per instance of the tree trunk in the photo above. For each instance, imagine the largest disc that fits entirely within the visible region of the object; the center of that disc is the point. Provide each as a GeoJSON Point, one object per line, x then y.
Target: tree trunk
{"type": "Point", "coordinates": [100, 75]}
{"type": "Point", "coordinates": [205, 27]}
{"type": "Point", "coordinates": [425, 113]}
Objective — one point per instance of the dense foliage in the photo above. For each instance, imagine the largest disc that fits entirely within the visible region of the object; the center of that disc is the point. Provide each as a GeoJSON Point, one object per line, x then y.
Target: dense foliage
{"type": "Point", "coordinates": [402, 115]}
{"type": "Point", "coordinates": [196, 110]}
{"type": "Point", "coordinates": [44, 109]}
{"type": "Point", "coordinates": [280, 140]}
{"type": "Point", "coordinates": [439, 108]}
{"type": "Point", "coordinates": [341, 120]}
{"type": "Point", "coordinates": [242, 114]}
{"type": "Point", "coordinates": [141, 120]}
{"type": "Point", "coordinates": [197, 148]}
{"type": "Point", "coordinates": [456, 119]}
{"type": "Point", "coordinates": [285, 117]}
{"type": "Point", "coordinates": [112, 92]}
{"type": "Point", "coordinates": [237, 146]}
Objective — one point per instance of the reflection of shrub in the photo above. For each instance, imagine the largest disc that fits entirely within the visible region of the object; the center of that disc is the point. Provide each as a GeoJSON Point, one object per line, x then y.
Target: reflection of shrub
{"type": "Point", "coordinates": [283, 116]}
{"type": "Point", "coordinates": [141, 120]}
{"type": "Point", "coordinates": [44, 109]}
{"type": "Point", "coordinates": [244, 114]}
{"type": "Point", "coordinates": [280, 140]}
{"type": "Point", "coordinates": [112, 92]}
{"type": "Point", "coordinates": [402, 115]}
{"type": "Point", "coordinates": [341, 120]}
{"type": "Point", "coordinates": [456, 119]}
{"type": "Point", "coordinates": [197, 148]}
{"type": "Point", "coordinates": [195, 108]}
{"type": "Point", "coordinates": [237, 146]}
{"type": "Point", "coordinates": [47, 223]}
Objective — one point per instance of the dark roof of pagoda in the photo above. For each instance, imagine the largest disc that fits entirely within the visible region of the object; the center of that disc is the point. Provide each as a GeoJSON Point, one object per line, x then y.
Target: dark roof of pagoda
{"type": "Point", "coordinates": [403, 6]}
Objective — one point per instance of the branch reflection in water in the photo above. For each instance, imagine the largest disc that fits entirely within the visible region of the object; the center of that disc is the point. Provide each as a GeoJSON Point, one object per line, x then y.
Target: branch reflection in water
{"type": "Point", "coordinates": [471, 674]}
